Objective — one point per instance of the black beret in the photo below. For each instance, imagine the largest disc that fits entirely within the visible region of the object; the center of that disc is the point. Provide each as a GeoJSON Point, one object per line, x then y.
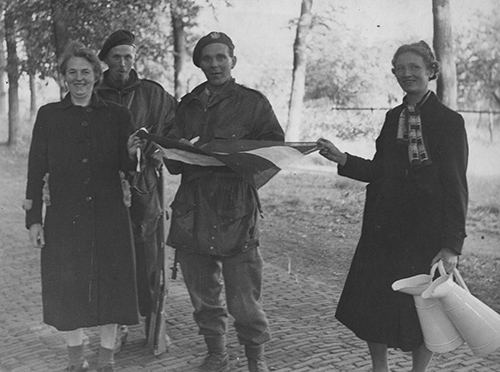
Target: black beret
{"type": "Point", "coordinates": [120, 37]}
{"type": "Point", "coordinates": [212, 38]}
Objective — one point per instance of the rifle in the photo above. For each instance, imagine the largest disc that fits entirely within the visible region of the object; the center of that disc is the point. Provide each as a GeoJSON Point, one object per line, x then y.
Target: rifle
{"type": "Point", "coordinates": [157, 337]}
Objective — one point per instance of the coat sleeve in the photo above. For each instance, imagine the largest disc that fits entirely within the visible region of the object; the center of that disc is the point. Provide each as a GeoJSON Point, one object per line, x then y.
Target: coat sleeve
{"type": "Point", "coordinates": [175, 133]}
{"type": "Point", "coordinates": [37, 167]}
{"type": "Point", "coordinates": [365, 170]}
{"type": "Point", "coordinates": [454, 157]}
{"type": "Point", "coordinates": [125, 130]}
{"type": "Point", "coordinates": [164, 106]}
{"type": "Point", "coordinates": [267, 127]}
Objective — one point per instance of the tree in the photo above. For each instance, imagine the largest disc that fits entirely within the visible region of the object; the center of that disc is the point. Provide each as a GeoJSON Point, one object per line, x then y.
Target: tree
{"type": "Point", "coordinates": [13, 76]}
{"type": "Point", "coordinates": [299, 71]}
{"type": "Point", "coordinates": [443, 46]}
{"type": "Point", "coordinates": [182, 13]}
{"type": "Point", "coordinates": [3, 65]}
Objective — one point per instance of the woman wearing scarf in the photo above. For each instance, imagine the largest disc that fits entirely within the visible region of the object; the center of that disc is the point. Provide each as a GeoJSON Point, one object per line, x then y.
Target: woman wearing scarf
{"type": "Point", "coordinates": [415, 210]}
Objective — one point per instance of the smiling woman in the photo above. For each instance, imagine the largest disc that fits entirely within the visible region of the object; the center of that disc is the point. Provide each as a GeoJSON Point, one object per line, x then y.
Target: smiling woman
{"type": "Point", "coordinates": [414, 216]}
{"type": "Point", "coordinates": [79, 149]}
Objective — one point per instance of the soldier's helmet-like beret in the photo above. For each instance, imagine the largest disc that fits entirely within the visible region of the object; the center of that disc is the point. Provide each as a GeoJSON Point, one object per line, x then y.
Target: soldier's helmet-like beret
{"type": "Point", "coordinates": [120, 37]}
{"type": "Point", "coordinates": [212, 38]}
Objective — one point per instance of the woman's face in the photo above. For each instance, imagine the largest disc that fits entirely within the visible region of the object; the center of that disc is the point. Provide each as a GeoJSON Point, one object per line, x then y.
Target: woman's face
{"type": "Point", "coordinates": [412, 73]}
{"type": "Point", "coordinates": [80, 77]}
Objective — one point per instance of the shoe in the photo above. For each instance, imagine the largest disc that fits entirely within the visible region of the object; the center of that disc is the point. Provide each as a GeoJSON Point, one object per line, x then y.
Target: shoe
{"type": "Point", "coordinates": [255, 357]}
{"type": "Point", "coordinates": [106, 368]}
{"type": "Point", "coordinates": [82, 367]}
{"type": "Point", "coordinates": [215, 362]}
{"type": "Point", "coordinates": [121, 338]}
{"type": "Point", "coordinates": [257, 365]}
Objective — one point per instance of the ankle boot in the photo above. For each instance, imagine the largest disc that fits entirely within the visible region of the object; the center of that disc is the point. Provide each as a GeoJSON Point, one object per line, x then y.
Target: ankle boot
{"type": "Point", "coordinates": [106, 360]}
{"type": "Point", "coordinates": [77, 362]}
{"type": "Point", "coordinates": [255, 357]}
{"type": "Point", "coordinates": [217, 359]}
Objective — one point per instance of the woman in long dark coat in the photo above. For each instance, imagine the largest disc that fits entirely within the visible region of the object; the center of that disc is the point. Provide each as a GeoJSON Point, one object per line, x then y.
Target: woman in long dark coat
{"type": "Point", "coordinates": [81, 145]}
{"type": "Point", "coordinates": [416, 204]}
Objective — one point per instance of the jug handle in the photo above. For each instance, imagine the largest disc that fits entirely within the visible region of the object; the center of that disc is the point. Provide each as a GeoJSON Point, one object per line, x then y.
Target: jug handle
{"type": "Point", "coordinates": [438, 266]}
{"type": "Point", "coordinates": [459, 279]}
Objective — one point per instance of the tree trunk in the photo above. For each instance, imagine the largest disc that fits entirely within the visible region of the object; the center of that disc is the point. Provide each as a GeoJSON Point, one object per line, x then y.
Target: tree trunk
{"type": "Point", "coordinates": [299, 72]}
{"type": "Point", "coordinates": [3, 82]}
{"type": "Point", "coordinates": [60, 33]}
{"type": "Point", "coordinates": [443, 46]}
{"type": "Point", "coordinates": [33, 105]}
{"type": "Point", "coordinates": [13, 76]}
{"type": "Point", "coordinates": [180, 51]}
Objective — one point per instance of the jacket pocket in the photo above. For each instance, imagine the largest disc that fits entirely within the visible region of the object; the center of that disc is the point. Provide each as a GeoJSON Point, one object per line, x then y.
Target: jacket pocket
{"type": "Point", "coordinates": [182, 224]}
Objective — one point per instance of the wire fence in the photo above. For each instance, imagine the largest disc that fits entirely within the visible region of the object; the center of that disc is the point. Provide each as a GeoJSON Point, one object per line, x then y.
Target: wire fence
{"type": "Point", "coordinates": [352, 122]}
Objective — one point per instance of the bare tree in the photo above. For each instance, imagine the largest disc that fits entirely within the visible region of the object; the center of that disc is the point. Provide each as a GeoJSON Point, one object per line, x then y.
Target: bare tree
{"type": "Point", "coordinates": [443, 46]}
{"type": "Point", "coordinates": [299, 72]}
{"type": "Point", "coordinates": [180, 51]}
{"type": "Point", "coordinates": [13, 76]}
{"type": "Point", "coordinates": [3, 62]}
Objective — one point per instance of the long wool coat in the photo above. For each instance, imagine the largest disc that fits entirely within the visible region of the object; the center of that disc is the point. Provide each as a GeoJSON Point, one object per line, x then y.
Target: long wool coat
{"type": "Point", "coordinates": [410, 215]}
{"type": "Point", "coordinates": [88, 260]}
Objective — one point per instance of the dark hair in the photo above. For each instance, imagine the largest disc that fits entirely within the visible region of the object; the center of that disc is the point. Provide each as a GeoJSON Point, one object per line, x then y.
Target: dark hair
{"type": "Point", "coordinates": [77, 49]}
{"type": "Point", "coordinates": [423, 50]}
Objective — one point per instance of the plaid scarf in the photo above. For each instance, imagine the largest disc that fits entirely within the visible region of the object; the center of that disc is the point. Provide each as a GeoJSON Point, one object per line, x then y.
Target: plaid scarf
{"type": "Point", "coordinates": [410, 132]}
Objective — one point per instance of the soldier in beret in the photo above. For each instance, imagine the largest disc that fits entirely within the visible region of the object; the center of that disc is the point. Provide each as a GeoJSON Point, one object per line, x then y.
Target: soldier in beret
{"type": "Point", "coordinates": [151, 107]}
{"type": "Point", "coordinates": [215, 212]}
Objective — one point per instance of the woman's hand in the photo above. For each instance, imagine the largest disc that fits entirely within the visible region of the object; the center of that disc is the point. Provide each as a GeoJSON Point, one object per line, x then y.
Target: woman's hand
{"type": "Point", "coordinates": [449, 258]}
{"type": "Point", "coordinates": [331, 152]}
{"type": "Point", "coordinates": [36, 235]}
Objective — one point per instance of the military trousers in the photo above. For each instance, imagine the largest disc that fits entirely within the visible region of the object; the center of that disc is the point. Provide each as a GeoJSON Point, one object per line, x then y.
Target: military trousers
{"type": "Point", "coordinates": [241, 277]}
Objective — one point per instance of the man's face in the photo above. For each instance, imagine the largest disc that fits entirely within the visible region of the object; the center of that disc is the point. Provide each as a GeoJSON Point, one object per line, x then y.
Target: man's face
{"type": "Point", "coordinates": [216, 63]}
{"type": "Point", "coordinates": [120, 60]}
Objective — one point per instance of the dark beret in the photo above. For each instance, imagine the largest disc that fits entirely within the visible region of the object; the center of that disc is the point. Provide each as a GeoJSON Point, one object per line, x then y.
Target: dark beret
{"type": "Point", "coordinates": [120, 37]}
{"type": "Point", "coordinates": [212, 38]}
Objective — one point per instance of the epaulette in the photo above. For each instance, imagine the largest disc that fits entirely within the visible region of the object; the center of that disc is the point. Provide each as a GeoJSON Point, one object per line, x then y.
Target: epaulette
{"type": "Point", "coordinates": [153, 82]}
{"type": "Point", "coordinates": [253, 90]}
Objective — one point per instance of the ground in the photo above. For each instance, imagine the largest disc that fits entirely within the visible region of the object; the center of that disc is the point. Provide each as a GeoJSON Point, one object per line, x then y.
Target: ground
{"type": "Point", "coordinates": [309, 232]}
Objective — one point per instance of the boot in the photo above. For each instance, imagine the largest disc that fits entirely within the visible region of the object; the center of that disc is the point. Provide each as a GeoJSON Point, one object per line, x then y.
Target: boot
{"type": "Point", "coordinates": [77, 362]}
{"type": "Point", "coordinates": [106, 360]}
{"type": "Point", "coordinates": [217, 359]}
{"type": "Point", "coordinates": [255, 357]}
{"type": "Point", "coordinates": [121, 337]}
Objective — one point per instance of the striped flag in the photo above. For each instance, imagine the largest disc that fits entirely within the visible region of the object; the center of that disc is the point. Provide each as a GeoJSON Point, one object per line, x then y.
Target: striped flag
{"type": "Point", "coordinates": [255, 161]}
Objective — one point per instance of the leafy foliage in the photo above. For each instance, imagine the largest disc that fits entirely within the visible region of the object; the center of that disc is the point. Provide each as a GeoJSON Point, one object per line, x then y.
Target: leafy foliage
{"type": "Point", "coordinates": [478, 61]}
{"type": "Point", "coordinates": [90, 22]}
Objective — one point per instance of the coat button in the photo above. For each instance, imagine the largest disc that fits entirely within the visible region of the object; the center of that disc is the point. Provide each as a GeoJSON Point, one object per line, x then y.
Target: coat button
{"type": "Point", "coordinates": [89, 198]}
{"type": "Point", "coordinates": [85, 160]}
{"type": "Point", "coordinates": [212, 248]}
{"type": "Point", "coordinates": [85, 124]}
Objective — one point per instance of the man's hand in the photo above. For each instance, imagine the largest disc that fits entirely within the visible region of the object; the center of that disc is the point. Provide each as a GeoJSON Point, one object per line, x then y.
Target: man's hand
{"type": "Point", "coordinates": [331, 152]}
{"type": "Point", "coordinates": [133, 144]}
{"type": "Point", "coordinates": [449, 258]}
{"type": "Point", "coordinates": [36, 235]}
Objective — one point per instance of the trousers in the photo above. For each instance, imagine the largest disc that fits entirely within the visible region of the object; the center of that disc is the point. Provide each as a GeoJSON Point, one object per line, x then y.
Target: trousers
{"type": "Point", "coordinates": [241, 276]}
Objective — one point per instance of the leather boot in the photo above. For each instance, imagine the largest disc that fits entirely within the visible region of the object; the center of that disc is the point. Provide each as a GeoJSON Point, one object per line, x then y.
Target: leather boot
{"type": "Point", "coordinates": [106, 360]}
{"type": "Point", "coordinates": [255, 357]}
{"type": "Point", "coordinates": [77, 362]}
{"type": "Point", "coordinates": [217, 359]}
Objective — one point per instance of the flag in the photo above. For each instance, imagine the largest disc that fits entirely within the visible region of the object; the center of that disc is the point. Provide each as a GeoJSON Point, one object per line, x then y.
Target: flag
{"type": "Point", "coordinates": [256, 161]}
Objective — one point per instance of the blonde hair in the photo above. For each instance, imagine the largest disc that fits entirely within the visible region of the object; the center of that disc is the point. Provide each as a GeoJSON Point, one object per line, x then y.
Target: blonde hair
{"type": "Point", "coordinates": [77, 49]}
